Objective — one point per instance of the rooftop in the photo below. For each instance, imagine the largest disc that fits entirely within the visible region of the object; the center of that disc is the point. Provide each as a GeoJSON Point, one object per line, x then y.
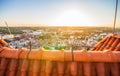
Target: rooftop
{"type": "Point", "coordinates": [96, 62]}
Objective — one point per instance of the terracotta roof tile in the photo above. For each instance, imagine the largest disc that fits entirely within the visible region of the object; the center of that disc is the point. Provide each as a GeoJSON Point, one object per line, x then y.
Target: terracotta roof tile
{"type": "Point", "coordinates": [100, 43]}
{"type": "Point", "coordinates": [50, 69]}
{"type": "Point", "coordinates": [115, 69]}
{"type": "Point", "coordinates": [10, 53]}
{"type": "Point", "coordinates": [3, 42]}
{"type": "Point", "coordinates": [110, 43]}
{"type": "Point", "coordinates": [87, 69]}
{"type": "Point", "coordinates": [3, 66]}
{"type": "Point", "coordinates": [105, 44]}
{"type": "Point", "coordinates": [56, 56]}
{"type": "Point", "coordinates": [98, 62]}
{"type": "Point", "coordinates": [35, 54]}
{"type": "Point", "coordinates": [11, 69]}
{"type": "Point", "coordinates": [114, 44]}
{"type": "Point", "coordinates": [53, 55]}
{"type": "Point", "coordinates": [117, 47]}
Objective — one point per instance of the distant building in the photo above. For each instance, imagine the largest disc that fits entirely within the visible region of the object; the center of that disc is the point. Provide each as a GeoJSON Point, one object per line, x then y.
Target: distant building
{"type": "Point", "coordinates": [6, 36]}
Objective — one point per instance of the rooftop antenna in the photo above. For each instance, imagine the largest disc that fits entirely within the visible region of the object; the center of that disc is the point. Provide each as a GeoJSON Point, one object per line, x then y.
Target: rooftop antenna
{"type": "Point", "coordinates": [1, 34]}
{"type": "Point", "coordinates": [8, 27]}
{"type": "Point", "coordinates": [72, 47]}
{"type": "Point", "coordinates": [115, 16]}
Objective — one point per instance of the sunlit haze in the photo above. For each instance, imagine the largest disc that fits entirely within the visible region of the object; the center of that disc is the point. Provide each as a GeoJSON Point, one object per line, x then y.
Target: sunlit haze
{"type": "Point", "coordinates": [59, 12]}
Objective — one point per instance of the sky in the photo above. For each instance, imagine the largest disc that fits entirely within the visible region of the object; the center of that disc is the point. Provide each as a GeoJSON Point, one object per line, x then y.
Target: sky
{"type": "Point", "coordinates": [59, 12]}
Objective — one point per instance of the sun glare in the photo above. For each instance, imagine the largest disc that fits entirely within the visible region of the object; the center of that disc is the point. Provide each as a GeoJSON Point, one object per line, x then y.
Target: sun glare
{"type": "Point", "coordinates": [72, 17]}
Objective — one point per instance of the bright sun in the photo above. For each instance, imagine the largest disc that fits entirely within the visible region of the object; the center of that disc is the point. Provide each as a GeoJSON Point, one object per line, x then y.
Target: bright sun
{"type": "Point", "coordinates": [72, 17]}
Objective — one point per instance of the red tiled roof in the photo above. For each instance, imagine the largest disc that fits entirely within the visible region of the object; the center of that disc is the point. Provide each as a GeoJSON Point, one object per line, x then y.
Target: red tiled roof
{"type": "Point", "coordinates": [110, 43]}
{"type": "Point", "coordinates": [3, 42]}
{"type": "Point", "coordinates": [82, 56]}
{"type": "Point", "coordinates": [21, 62]}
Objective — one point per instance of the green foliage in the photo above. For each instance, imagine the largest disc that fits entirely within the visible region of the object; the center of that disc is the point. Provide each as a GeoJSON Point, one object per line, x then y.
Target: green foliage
{"type": "Point", "coordinates": [41, 37]}
{"type": "Point", "coordinates": [54, 47]}
{"type": "Point", "coordinates": [60, 47]}
{"type": "Point", "coordinates": [49, 48]}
